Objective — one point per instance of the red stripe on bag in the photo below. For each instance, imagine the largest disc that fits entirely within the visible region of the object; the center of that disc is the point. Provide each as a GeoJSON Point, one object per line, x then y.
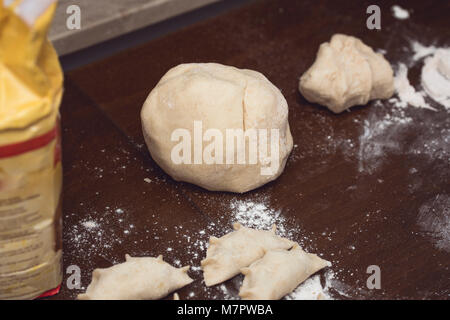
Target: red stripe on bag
{"type": "Point", "coordinates": [15, 149]}
{"type": "Point", "coordinates": [51, 292]}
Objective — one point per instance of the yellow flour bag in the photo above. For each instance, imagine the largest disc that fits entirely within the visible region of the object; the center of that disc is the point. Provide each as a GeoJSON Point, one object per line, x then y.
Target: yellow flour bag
{"type": "Point", "coordinates": [30, 154]}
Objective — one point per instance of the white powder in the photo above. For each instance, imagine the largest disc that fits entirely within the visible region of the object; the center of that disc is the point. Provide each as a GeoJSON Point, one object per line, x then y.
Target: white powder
{"type": "Point", "coordinates": [434, 221]}
{"type": "Point", "coordinates": [435, 77]}
{"type": "Point", "coordinates": [90, 224]}
{"type": "Point", "coordinates": [421, 51]}
{"type": "Point", "coordinates": [93, 237]}
{"type": "Point", "coordinates": [400, 13]}
{"type": "Point", "coordinates": [258, 215]}
{"type": "Point", "coordinates": [407, 95]}
{"type": "Point", "coordinates": [379, 135]}
{"type": "Point", "coordinates": [311, 289]}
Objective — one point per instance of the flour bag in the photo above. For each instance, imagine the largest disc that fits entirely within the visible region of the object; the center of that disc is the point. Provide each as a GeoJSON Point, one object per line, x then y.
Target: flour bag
{"type": "Point", "coordinates": [30, 154]}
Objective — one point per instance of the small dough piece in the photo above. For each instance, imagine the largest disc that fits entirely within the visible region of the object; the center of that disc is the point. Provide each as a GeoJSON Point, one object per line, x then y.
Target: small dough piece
{"type": "Point", "coordinates": [227, 255]}
{"type": "Point", "coordinates": [278, 273]}
{"type": "Point", "coordinates": [221, 99]}
{"type": "Point", "coordinates": [136, 279]}
{"type": "Point", "coordinates": [347, 73]}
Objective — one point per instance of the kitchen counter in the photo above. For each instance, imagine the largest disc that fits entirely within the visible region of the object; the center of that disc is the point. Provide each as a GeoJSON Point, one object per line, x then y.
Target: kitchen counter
{"type": "Point", "coordinates": [358, 190]}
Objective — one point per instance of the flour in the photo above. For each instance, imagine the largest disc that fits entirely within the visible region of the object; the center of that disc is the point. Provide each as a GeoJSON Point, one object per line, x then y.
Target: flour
{"type": "Point", "coordinates": [258, 215]}
{"type": "Point", "coordinates": [434, 221]}
{"type": "Point", "coordinates": [400, 13]}
{"type": "Point", "coordinates": [436, 77]}
{"type": "Point", "coordinates": [312, 288]}
{"type": "Point", "coordinates": [93, 238]}
{"type": "Point", "coordinates": [421, 51]}
{"type": "Point", "coordinates": [407, 95]}
{"type": "Point", "coordinates": [379, 136]}
{"type": "Point", "coordinates": [90, 224]}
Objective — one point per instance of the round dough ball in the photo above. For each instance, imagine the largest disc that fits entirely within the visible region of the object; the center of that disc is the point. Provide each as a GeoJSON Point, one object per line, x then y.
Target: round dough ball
{"type": "Point", "coordinates": [220, 98]}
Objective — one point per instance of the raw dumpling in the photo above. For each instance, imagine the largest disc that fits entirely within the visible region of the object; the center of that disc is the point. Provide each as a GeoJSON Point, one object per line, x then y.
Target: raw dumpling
{"type": "Point", "coordinates": [227, 255]}
{"type": "Point", "coordinates": [136, 279]}
{"type": "Point", "coordinates": [278, 273]}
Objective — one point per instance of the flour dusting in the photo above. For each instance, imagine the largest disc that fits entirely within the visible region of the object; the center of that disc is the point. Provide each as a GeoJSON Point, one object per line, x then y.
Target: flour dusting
{"type": "Point", "coordinates": [420, 51]}
{"type": "Point", "coordinates": [399, 12]}
{"type": "Point", "coordinates": [382, 130]}
{"type": "Point", "coordinates": [407, 94]}
{"type": "Point", "coordinates": [436, 77]}
{"type": "Point", "coordinates": [378, 137]}
{"type": "Point", "coordinates": [434, 220]}
{"type": "Point", "coordinates": [90, 224]}
{"type": "Point", "coordinates": [258, 215]}
{"type": "Point", "coordinates": [312, 288]}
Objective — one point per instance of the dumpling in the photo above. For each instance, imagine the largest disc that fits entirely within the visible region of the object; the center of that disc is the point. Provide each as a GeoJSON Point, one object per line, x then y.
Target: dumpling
{"type": "Point", "coordinates": [278, 273]}
{"type": "Point", "coordinates": [227, 255]}
{"type": "Point", "coordinates": [136, 279]}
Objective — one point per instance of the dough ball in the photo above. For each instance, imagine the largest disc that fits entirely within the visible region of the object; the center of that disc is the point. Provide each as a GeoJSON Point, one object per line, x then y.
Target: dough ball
{"type": "Point", "coordinates": [222, 99]}
{"type": "Point", "coordinates": [346, 73]}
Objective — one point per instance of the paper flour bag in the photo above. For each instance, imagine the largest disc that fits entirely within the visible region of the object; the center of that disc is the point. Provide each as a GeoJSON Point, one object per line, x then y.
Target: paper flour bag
{"type": "Point", "coordinates": [30, 153]}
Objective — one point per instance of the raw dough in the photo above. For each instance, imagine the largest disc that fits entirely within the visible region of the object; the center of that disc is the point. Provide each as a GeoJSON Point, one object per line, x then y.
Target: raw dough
{"type": "Point", "coordinates": [278, 273]}
{"type": "Point", "coordinates": [227, 255]}
{"type": "Point", "coordinates": [221, 97]}
{"type": "Point", "coordinates": [136, 279]}
{"type": "Point", "coordinates": [347, 73]}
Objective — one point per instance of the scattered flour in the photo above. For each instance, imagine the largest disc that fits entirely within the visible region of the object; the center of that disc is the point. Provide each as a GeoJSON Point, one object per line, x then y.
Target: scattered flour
{"type": "Point", "coordinates": [434, 220]}
{"type": "Point", "coordinates": [378, 136]}
{"type": "Point", "coordinates": [90, 224]}
{"type": "Point", "coordinates": [380, 132]}
{"type": "Point", "coordinates": [93, 237]}
{"type": "Point", "coordinates": [311, 289]}
{"type": "Point", "coordinates": [258, 215]}
{"type": "Point", "coordinates": [436, 77]}
{"type": "Point", "coordinates": [400, 13]}
{"type": "Point", "coordinates": [407, 95]}
{"type": "Point", "coordinates": [421, 51]}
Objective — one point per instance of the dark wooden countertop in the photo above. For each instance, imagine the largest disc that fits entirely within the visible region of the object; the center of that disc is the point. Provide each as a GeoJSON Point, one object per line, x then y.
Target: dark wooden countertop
{"type": "Point", "coordinates": [355, 191]}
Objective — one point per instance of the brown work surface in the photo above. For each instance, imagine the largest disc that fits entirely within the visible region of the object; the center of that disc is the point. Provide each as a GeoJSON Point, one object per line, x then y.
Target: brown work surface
{"type": "Point", "coordinates": [366, 187]}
